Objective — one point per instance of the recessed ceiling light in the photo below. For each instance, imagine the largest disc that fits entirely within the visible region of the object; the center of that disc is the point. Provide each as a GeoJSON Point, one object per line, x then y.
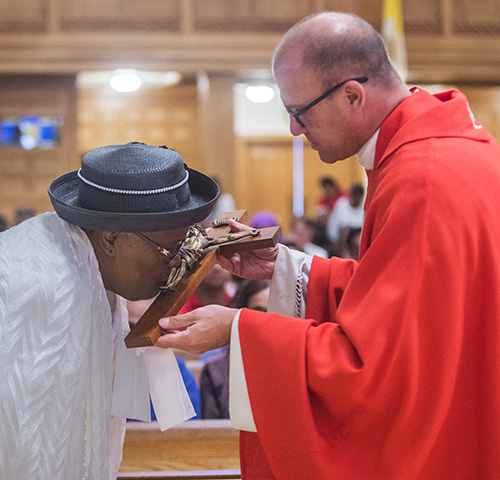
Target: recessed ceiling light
{"type": "Point", "coordinates": [125, 81]}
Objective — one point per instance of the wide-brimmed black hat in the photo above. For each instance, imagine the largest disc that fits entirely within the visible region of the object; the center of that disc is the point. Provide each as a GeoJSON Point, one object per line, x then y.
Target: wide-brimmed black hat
{"type": "Point", "coordinates": [133, 188]}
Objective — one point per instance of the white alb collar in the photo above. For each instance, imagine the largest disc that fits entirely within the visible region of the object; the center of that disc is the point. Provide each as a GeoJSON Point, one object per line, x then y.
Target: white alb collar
{"type": "Point", "coordinates": [367, 153]}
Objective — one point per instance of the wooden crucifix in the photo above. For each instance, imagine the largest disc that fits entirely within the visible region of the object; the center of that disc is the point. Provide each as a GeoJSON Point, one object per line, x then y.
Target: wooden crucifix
{"type": "Point", "coordinates": [168, 303]}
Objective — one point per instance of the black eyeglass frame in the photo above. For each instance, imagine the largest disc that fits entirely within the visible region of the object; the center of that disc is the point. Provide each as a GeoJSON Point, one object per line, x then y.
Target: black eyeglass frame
{"type": "Point", "coordinates": [170, 254]}
{"type": "Point", "coordinates": [303, 110]}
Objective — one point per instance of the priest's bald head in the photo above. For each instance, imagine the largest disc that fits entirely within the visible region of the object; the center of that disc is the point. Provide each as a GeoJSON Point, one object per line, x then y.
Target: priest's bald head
{"type": "Point", "coordinates": [135, 202]}
{"type": "Point", "coordinates": [336, 82]}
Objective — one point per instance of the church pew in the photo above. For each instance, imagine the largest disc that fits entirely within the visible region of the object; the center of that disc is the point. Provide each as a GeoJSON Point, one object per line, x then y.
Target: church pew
{"type": "Point", "coordinates": [195, 445]}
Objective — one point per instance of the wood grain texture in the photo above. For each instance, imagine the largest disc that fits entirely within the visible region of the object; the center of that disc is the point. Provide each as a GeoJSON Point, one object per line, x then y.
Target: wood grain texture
{"type": "Point", "coordinates": [191, 446]}
{"type": "Point", "coordinates": [447, 40]}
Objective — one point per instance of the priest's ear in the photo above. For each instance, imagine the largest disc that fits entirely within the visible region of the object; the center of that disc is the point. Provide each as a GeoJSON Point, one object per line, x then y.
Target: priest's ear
{"type": "Point", "coordinates": [355, 93]}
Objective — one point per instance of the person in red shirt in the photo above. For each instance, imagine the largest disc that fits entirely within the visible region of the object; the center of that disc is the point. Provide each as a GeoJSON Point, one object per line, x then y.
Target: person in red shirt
{"type": "Point", "coordinates": [216, 288]}
{"type": "Point", "coordinates": [387, 368]}
{"type": "Point", "coordinates": [330, 193]}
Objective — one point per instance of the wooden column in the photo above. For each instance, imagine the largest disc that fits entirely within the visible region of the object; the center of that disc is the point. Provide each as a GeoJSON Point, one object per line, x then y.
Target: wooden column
{"type": "Point", "coordinates": [217, 140]}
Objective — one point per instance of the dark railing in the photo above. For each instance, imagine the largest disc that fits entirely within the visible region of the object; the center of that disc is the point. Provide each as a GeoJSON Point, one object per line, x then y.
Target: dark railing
{"type": "Point", "coordinates": [185, 475]}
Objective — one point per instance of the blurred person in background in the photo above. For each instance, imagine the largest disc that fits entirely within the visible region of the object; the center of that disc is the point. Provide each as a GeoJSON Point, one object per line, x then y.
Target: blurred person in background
{"type": "Point", "coordinates": [214, 379]}
{"type": "Point", "coordinates": [302, 236]}
{"type": "Point", "coordinates": [330, 193]}
{"type": "Point", "coordinates": [348, 213]}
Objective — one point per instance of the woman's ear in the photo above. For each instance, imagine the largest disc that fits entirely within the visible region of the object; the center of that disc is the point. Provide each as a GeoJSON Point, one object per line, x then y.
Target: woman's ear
{"type": "Point", "coordinates": [108, 242]}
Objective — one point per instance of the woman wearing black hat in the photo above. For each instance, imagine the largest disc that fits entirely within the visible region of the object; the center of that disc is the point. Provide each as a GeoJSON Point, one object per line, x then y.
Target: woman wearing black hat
{"type": "Point", "coordinates": [117, 226]}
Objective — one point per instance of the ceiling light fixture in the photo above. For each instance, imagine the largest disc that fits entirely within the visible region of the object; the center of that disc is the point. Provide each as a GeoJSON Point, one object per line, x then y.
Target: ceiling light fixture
{"type": "Point", "coordinates": [125, 81]}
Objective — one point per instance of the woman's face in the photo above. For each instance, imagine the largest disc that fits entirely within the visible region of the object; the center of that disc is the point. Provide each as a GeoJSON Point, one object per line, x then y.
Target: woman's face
{"type": "Point", "coordinates": [137, 269]}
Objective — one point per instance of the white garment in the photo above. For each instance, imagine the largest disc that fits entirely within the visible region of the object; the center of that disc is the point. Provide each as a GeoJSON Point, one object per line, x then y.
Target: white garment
{"type": "Point", "coordinates": [59, 344]}
{"type": "Point", "coordinates": [366, 156]}
{"type": "Point", "coordinates": [342, 216]}
{"type": "Point", "coordinates": [56, 355]}
{"type": "Point", "coordinates": [313, 249]}
{"type": "Point", "coordinates": [291, 275]}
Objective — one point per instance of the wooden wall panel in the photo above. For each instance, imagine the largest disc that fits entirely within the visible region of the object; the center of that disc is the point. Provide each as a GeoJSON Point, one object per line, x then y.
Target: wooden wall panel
{"type": "Point", "coordinates": [471, 19]}
{"type": "Point", "coordinates": [424, 17]}
{"type": "Point", "coordinates": [249, 15]}
{"type": "Point", "coordinates": [216, 127]}
{"type": "Point", "coordinates": [123, 15]}
{"type": "Point", "coordinates": [485, 105]}
{"type": "Point", "coordinates": [447, 40]}
{"type": "Point", "coordinates": [26, 174]}
{"type": "Point", "coordinates": [264, 176]}
{"type": "Point", "coordinates": [23, 16]}
{"type": "Point", "coordinates": [163, 116]}
{"type": "Point", "coordinates": [370, 11]}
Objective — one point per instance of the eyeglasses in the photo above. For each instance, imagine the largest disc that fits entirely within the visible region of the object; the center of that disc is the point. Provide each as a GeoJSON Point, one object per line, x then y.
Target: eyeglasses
{"type": "Point", "coordinates": [296, 115]}
{"type": "Point", "coordinates": [170, 254]}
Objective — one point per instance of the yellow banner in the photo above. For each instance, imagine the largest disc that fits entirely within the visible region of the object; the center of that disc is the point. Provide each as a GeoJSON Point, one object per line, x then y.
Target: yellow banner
{"type": "Point", "coordinates": [394, 37]}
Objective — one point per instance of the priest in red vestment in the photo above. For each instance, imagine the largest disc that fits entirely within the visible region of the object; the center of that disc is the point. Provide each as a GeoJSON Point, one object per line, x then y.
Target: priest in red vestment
{"type": "Point", "coordinates": [388, 368]}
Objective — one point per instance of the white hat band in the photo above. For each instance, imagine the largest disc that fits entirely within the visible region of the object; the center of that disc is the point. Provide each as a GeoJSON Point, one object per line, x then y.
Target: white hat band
{"type": "Point", "coordinates": [134, 192]}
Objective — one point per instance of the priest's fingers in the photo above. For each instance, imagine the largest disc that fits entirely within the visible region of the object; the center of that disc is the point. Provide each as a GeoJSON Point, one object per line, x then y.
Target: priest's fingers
{"type": "Point", "coordinates": [203, 329]}
{"type": "Point", "coordinates": [237, 226]}
{"type": "Point", "coordinates": [254, 264]}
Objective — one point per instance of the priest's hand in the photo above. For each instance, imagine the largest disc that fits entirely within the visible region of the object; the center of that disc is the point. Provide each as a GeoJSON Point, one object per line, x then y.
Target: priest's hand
{"type": "Point", "coordinates": [198, 331]}
{"type": "Point", "coordinates": [254, 264]}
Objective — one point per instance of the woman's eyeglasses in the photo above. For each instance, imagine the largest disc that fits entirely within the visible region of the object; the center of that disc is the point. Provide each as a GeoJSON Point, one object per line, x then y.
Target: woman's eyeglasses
{"type": "Point", "coordinates": [170, 254]}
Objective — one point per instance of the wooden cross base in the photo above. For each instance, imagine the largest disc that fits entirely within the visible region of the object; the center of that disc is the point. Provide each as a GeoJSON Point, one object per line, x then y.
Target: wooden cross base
{"type": "Point", "coordinates": [147, 330]}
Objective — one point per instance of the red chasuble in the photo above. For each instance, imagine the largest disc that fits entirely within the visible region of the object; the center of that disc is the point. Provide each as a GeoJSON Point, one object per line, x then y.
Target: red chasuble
{"type": "Point", "coordinates": [395, 372]}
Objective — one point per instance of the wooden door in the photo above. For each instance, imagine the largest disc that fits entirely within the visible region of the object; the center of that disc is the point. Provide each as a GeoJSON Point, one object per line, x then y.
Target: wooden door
{"type": "Point", "coordinates": [265, 176]}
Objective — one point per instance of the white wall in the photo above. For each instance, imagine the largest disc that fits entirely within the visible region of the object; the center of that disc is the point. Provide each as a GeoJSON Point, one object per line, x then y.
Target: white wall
{"type": "Point", "coordinates": [260, 119]}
